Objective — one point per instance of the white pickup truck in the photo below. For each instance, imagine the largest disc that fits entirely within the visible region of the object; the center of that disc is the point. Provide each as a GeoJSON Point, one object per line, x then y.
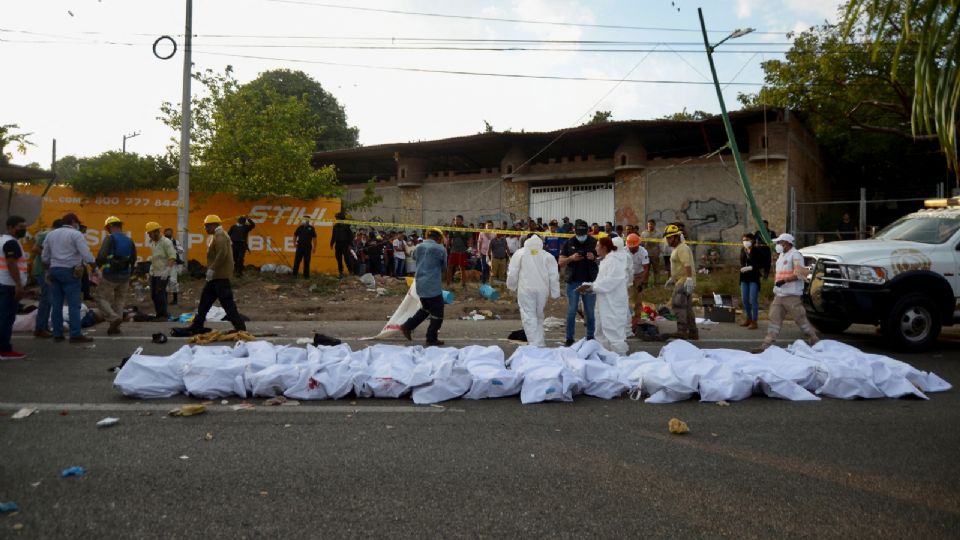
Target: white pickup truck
{"type": "Point", "coordinates": [906, 279]}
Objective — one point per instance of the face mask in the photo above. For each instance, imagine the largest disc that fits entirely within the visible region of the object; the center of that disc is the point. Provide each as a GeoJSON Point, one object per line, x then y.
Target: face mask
{"type": "Point", "coordinates": [581, 237]}
{"type": "Point", "coordinates": [779, 248]}
{"type": "Point", "coordinates": [747, 244]}
{"type": "Point", "coordinates": [20, 233]}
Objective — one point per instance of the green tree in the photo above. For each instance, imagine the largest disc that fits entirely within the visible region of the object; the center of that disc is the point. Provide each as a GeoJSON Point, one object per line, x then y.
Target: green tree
{"type": "Point", "coordinates": [926, 34]}
{"type": "Point", "coordinates": [8, 137]}
{"type": "Point", "coordinates": [66, 168]}
{"type": "Point", "coordinates": [858, 109]}
{"type": "Point", "coordinates": [684, 115]}
{"type": "Point", "coordinates": [113, 171]}
{"type": "Point", "coordinates": [253, 141]}
{"type": "Point", "coordinates": [600, 117]}
{"type": "Point", "coordinates": [328, 116]}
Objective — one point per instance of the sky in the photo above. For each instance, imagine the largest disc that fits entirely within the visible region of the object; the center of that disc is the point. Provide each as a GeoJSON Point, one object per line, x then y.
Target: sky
{"type": "Point", "coordinates": [90, 75]}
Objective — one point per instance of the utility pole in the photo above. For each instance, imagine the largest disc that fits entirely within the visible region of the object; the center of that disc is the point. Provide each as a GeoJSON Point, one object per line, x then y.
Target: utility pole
{"type": "Point", "coordinates": [741, 169]}
{"type": "Point", "coordinates": [125, 137]}
{"type": "Point", "coordinates": [183, 185]}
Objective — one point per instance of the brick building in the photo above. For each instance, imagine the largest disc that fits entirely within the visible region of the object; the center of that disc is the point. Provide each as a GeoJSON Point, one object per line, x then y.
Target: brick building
{"type": "Point", "coordinates": [624, 172]}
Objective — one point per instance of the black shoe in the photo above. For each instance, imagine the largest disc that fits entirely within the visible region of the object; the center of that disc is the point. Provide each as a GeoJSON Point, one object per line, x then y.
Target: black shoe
{"type": "Point", "coordinates": [568, 343]}
{"type": "Point", "coordinates": [406, 333]}
{"type": "Point", "coordinates": [435, 343]}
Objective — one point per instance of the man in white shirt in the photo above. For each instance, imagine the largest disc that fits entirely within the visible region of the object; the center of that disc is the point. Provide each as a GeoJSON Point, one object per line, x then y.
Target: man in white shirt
{"type": "Point", "coordinates": [399, 256]}
{"type": "Point", "coordinates": [513, 244]}
{"type": "Point", "coordinates": [788, 293]}
{"type": "Point", "coordinates": [641, 271]}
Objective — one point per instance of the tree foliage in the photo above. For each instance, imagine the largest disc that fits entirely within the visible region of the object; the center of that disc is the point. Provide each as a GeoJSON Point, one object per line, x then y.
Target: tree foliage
{"type": "Point", "coordinates": [859, 110]}
{"type": "Point", "coordinates": [600, 117]}
{"type": "Point", "coordinates": [691, 116]}
{"type": "Point", "coordinates": [19, 140]}
{"type": "Point", "coordinates": [926, 37]}
{"type": "Point", "coordinates": [114, 171]}
{"type": "Point", "coordinates": [254, 141]}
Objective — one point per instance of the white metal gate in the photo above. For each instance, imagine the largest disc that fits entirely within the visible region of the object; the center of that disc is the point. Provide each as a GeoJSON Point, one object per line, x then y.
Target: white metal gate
{"type": "Point", "coordinates": [590, 202]}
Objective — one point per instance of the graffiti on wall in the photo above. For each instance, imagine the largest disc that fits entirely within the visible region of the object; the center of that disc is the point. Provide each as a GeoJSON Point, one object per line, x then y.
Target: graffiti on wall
{"type": "Point", "coordinates": [705, 220]}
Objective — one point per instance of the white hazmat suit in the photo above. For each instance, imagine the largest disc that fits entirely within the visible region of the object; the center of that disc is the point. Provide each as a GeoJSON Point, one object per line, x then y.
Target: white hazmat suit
{"type": "Point", "coordinates": [533, 275]}
{"type": "Point", "coordinates": [613, 310]}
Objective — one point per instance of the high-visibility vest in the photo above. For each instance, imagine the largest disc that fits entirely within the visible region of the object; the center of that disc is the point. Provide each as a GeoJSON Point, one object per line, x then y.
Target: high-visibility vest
{"type": "Point", "coordinates": [5, 277]}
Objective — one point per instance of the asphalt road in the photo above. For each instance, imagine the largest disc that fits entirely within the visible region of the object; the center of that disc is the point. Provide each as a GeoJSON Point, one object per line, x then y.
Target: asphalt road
{"type": "Point", "coordinates": [758, 468]}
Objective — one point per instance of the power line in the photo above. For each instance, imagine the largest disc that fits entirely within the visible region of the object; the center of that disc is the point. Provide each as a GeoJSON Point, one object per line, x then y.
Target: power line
{"type": "Point", "coordinates": [498, 19]}
{"type": "Point", "coordinates": [470, 73]}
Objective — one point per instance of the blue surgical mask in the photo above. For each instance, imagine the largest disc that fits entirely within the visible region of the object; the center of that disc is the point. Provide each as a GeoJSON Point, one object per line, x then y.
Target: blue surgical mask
{"type": "Point", "coordinates": [582, 238]}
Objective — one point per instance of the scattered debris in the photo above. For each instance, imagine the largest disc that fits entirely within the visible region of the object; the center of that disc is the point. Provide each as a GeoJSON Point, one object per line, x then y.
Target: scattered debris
{"type": "Point", "coordinates": [273, 402]}
{"type": "Point", "coordinates": [264, 493]}
{"type": "Point", "coordinates": [243, 406]}
{"type": "Point", "coordinates": [208, 436]}
{"type": "Point", "coordinates": [389, 427]}
{"type": "Point", "coordinates": [304, 341]}
{"type": "Point", "coordinates": [188, 410]}
{"type": "Point", "coordinates": [677, 426]}
{"type": "Point", "coordinates": [8, 507]}
{"type": "Point", "coordinates": [108, 421]}
{"type": "Point", "coordinates": [184, 457]}
{"type": "Point", "coordinates": [723, 403]}
{"type": "Point", "coordinates": [159, 337]}
{"type": "Point", "coordinates": [287, 425]}
{"type": "Point", "coordinates": [35, 484]}
{"type": "Point", "coordinates": [224, 402]}
{"type": "Point", "coordinates": [23, 413]}
{"type": "Point", "coordinates": [73, 471]}
{"type": "Point", "coordinates": [64, 412]}
{"type": "Point", "coordinates": [147, 413]}
{"type": "Point", "coordinates": [19, 526]}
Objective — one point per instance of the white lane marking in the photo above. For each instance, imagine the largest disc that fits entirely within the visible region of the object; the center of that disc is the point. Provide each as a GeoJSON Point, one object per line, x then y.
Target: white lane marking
{"type": "Point", "coordinates": [163, 408]}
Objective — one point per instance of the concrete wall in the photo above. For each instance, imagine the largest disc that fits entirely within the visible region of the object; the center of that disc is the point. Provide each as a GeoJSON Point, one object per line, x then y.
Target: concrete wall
{"type": "Point", "coordinates": [474, 199]}
{"type": "Point", "coordinates": [388, 210]}
{"type": "Point", "coordinates": [805, 174]}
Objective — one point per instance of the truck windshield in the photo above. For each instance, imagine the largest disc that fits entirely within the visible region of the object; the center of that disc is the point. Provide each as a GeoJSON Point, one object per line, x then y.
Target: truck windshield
{"type": "Point", "coordinates": [923, 229]}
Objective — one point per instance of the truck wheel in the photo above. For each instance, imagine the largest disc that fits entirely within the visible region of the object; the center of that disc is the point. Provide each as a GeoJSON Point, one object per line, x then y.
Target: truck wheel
{"type": "Point", "coordinates": [913, 323]}
{"type": "Point", "coordinates": [829, 326]}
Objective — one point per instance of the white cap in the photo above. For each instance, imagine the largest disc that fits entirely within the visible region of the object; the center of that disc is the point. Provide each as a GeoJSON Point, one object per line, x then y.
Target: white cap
{"type": "Point", "coordinates": [785, 237]}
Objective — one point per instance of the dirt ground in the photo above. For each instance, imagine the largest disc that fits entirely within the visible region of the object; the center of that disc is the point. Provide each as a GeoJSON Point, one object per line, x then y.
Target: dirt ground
{"type": "Point", "coordinates": [326, 298]}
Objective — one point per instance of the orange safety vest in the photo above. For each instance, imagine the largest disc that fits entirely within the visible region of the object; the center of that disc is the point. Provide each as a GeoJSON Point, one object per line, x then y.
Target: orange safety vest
{"type": "Point", "coordinates": [5, 277]}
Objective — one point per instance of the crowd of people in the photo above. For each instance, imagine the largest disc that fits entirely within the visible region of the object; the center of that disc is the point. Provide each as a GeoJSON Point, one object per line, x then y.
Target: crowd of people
{"type": "Point", "coordinates": [605, 270]}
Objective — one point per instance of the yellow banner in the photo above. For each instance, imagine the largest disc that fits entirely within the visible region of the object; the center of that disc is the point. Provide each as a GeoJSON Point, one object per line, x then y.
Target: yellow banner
{"type": "Point", "coordinates": [271, 240]}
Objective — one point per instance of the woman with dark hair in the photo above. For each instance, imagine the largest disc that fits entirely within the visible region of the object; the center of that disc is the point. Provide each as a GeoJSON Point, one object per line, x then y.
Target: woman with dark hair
{"type": "Point", "coordinates": [610, 286]}
{"type": "Point", "coordinates": [750, 264]}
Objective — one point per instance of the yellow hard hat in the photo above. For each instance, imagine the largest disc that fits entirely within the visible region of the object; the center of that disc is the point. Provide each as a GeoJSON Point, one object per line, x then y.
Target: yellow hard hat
{"type": "Point", "coordinates": [436, 230]}
{"type": "Point", "coordinates": [111, 220]}
{"type": "Point", "coordinates": [671, 230]}
{"type": "Point", "coordinates": [153, 226]}
{"type": "Point", "coordinates": [602, 234]}
{"type": "Point", "coordinates": [212, 218]}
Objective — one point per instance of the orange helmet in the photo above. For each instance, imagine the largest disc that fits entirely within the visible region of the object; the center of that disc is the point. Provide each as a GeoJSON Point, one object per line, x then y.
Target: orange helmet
{"type": "Point", "coordinates": [633, 240]}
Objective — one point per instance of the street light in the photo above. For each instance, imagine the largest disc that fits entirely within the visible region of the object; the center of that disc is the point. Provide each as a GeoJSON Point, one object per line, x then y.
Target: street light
{"type": "Point", "coordinates": [130, 136]}
{"type": "Point", "coordinates": [741, 169]}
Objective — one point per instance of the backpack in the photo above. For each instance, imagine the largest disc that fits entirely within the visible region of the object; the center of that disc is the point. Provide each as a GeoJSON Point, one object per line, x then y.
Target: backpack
{"type": "Point", "coordinates": [121, 253]}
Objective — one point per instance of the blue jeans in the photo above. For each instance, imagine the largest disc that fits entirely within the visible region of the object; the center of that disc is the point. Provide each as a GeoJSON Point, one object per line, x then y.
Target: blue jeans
{"type": "Point", "coordinates": [63, 286]}
{"type": "Point", "coordinates": [484, 270]}
{"type": "Point", "coordinates": [400, 267]}
{"type": "Point", "coordinates": [43, 307]}
{"type": "Point", "coordinates": [749, 295]}
{"type": "Point", "coordinates": [8, 314]}
{"type": "Point", "coordinates": [573, 300]}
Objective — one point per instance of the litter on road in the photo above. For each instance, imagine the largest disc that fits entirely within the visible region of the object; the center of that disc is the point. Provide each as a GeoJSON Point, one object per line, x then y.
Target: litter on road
{"type": "Point", "coordinates": [73, 471]}
{"type": "Point", "coordinates": [23, 413]}
{"type": "Point", "coordinates": [681, 371]}
{"type": "Point", "coordinates": [108, 421]}
{"type": "Point", "coordinates": [677, 426]}
{"type": "Point", "coordinates": [188, 410]}
{"type": "Point", "coordinates": [6, 507]}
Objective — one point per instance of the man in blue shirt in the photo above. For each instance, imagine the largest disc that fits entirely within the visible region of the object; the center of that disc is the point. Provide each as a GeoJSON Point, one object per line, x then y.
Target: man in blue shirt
{"type": "Point", "coordinates": [553, 244]}
{"type": "Point", "coordinates": [431, 259]}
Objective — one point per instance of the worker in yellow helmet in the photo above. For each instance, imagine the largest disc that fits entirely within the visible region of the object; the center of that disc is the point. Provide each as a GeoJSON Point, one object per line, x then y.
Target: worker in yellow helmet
{"type": "Point", "coordinates": [116, 259]}
{"type": "Point", "coordinates": [219, 271]}
{"type": "Point", "coordinates": [682, 280]}
{"type": "Point", "coordinates": [163, 259]}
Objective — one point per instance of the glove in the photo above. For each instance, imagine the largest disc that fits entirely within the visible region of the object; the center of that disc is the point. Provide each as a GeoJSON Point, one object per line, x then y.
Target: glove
{"type": "Point", "coordinates": [209, 274]}
{"type": "Point", "coordinates": [670, 283]}
{"type": "Point", "coordinates": [780, 283]}
{"type": "Point", "coordinates": [746, 269]}
{"type": "Point", "coordinates": [689, 285]}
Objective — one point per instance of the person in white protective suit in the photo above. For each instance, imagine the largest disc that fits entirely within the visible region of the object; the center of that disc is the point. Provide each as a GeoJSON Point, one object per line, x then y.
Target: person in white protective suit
{"type": "Point", "coordinates": [533, 275]}
{"type": "Point", "coordinates": [613, 311]}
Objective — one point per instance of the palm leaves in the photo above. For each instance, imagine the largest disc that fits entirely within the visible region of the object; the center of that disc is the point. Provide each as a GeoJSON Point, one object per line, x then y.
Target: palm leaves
{"type": "Point", "coordinates": [934, 26]}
